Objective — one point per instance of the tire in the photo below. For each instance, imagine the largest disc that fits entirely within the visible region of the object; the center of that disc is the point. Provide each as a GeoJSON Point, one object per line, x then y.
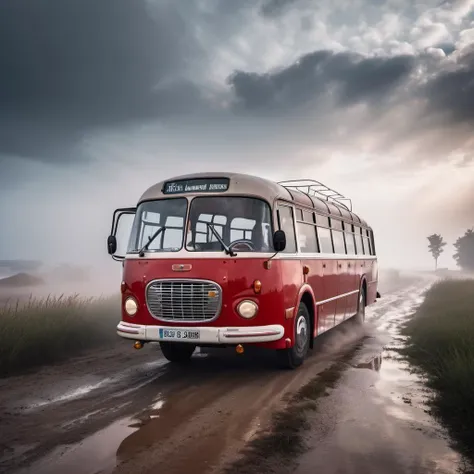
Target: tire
{"type": "Point", "coordinates": [293, 357]}
{"type": "Point", "coordinates": [360, 315]}
{"type": "Point", "coordinates": [178, 352]}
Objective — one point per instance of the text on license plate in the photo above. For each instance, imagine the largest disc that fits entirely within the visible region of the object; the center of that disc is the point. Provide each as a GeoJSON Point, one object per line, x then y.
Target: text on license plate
{"type": "Point", "coordinates": [178, 334]}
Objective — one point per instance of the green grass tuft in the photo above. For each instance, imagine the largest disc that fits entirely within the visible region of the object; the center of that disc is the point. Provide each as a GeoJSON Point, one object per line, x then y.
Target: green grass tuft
{"type": "Point", "coordinates": [43, 331]}
{"type": "Point", "coordinates": [441, 344]}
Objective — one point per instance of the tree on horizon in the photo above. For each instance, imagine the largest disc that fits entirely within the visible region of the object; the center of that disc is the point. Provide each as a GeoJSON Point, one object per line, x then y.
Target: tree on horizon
{"type": "Point", "coordinates": [464, 255]}
{"type": "Point", "coordinates": [435, 246]}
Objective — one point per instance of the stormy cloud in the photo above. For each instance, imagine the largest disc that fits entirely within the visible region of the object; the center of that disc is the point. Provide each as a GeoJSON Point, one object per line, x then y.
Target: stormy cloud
{"type": "Point", "coordinates": [350, 77]}
{"type": "Point", "coordinates": [71, 66]}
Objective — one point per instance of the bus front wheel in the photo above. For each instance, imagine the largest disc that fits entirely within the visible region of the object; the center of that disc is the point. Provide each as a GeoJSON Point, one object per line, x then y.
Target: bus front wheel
{"type": "Point", "coordinates": [294, 356]}
{"type": "Point", "coordinates": [179, 352]}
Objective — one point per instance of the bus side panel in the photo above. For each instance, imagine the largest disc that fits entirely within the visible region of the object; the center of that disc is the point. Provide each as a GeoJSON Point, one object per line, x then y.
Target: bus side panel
{"type": "Point", "coordinates": [291, 279]}
{"type": "Point", "coordinates": [353, 285]}
{"type": "Point", "coordinates": [327, 310]}
{"type": "Point", "coordinates": [343, 270]}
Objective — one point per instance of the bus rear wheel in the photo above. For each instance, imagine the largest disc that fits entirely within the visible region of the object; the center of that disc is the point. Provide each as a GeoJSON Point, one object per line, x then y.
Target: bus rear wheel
{"type": "Point", "coordinates": [360, 315]}
{"type": "Point", "coordinates": [293, 357]}
{"type": "Point", "coordinates": [178, 352]}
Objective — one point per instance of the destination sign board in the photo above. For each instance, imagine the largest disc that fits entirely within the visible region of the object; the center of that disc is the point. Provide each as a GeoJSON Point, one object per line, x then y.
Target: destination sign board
{"type": "Point", "coordinates": [198, 185]}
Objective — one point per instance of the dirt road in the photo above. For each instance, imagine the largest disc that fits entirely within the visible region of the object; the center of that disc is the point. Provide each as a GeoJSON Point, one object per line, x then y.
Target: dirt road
{"type": "Point", "coordinates": [120, 410]}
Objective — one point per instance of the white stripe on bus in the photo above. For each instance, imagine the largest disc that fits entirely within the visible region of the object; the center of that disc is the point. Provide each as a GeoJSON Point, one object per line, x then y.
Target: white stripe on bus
{"type": "Point", "coordinates": [252, 255]}
{"type": "Point", "coordinates": [336, 297]}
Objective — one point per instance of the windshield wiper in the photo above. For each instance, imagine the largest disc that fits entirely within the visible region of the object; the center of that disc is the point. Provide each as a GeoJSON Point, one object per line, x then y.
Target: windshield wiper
{"type": "Point", "coordinates": [226, 248]}
{"type": "Point", "coordinates": [141, 252]}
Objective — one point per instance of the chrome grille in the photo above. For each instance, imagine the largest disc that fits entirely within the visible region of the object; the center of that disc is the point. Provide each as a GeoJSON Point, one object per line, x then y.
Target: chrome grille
{"type": "Point", "coordinates": [184, 300]}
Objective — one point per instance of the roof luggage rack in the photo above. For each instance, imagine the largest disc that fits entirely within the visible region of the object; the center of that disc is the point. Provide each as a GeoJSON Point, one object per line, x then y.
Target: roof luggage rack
{"type": "Point", "coordinates": [317, 189]}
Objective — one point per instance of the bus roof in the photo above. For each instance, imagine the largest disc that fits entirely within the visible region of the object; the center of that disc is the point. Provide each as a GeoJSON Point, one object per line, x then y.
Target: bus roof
{"type": "Point", "coordinates": [245, 184]}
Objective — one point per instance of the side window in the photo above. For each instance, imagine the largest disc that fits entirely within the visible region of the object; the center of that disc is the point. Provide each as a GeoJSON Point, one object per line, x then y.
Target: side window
{"type": "Point", "coordinates": [322, 220]}
{"type": "Point", "coordinates": [366, 246]}
{"type": "Point", "coordinates": [338, 238]}
{"type": "Point", "coordinates": [336, 224]}
{"type": "Point", "coordinates": [358, 239]}
{"type": "Point", "coordinates": [372, 243]}
{"type": "Point", "coordinates": [368, 242]}
{"type": "Point", "coordinates": [325, 242]}
{"type": "Point", "coordinates": [308, 217]}
{"type": "Point", "coordinates": [350, 244]}
{"type": "Point", "coordinates": [286, 224]}
{"type": "Point", "coordinates": [307, 238]}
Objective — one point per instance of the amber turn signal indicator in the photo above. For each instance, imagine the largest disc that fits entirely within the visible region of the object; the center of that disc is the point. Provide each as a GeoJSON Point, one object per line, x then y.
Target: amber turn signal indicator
{"type": "Point", "coordinates": [257, 287]}
{"type": "Point", "coordinates": [239, 349]}
{"type": "Point", "coordinates": [138, 344]}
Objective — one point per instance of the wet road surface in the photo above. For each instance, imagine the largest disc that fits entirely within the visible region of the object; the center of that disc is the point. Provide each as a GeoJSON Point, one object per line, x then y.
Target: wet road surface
{"type": "Point", "coordinates": [376, 420]}
{"type": "Point", "coordinates": [121, 410]}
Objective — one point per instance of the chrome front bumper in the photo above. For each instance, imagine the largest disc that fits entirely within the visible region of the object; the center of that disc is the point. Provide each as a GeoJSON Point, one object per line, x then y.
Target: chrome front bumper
{"type": "Point", "coordinates": [207, 335]}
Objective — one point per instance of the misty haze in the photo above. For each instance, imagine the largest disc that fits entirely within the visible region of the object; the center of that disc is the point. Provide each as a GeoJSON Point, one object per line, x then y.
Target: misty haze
{"type": "Point", "coordinates": [237, 236]}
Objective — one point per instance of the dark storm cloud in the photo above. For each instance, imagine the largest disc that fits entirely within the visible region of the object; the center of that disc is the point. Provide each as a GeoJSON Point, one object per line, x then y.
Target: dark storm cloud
{"type": "Point", "coordinates": [68, 66]}
{"type": "Point", "coordinates": [353, 77]}
{"type": "Point", "coordinates": [452, 91]}
{"type": "Point", "coordinates": [349, 78]}
{"type": "Point", "coordinates": [275, 7]}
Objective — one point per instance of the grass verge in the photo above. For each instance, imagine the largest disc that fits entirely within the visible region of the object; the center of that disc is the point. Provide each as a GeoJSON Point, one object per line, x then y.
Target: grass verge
{"type": "Point", "coordinates": [441, 344]}
{"type": "Point", "coordinates": [276, 451]}
{"type": "Point", "coordinates": [48, 330]}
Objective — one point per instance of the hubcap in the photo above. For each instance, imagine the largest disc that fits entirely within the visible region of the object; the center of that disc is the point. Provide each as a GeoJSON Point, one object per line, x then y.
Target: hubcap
{"type": "Point", "coordinates": [301, 334]}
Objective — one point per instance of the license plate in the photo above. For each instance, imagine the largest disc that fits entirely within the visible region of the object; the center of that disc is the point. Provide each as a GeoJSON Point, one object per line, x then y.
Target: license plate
{"type": "Point", "coordinates": [179, 334]}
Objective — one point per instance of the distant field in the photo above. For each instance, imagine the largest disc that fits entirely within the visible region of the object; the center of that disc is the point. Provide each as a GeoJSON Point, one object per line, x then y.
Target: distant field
{"type": "Point", "coordinates": [39, 331]}
{"type": "Point", "coordinates": [442, 345]}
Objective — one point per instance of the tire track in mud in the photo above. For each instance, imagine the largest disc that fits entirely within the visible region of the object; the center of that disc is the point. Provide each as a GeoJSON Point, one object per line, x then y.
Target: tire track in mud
{"type": "Point", "coordinates": [136, 411]}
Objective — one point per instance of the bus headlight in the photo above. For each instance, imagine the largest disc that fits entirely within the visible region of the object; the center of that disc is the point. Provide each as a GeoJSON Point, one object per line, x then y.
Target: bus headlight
{"type": "Point", "coordinates": [247, 309]}
{"type": "Point", "coordinates": [131, 306]}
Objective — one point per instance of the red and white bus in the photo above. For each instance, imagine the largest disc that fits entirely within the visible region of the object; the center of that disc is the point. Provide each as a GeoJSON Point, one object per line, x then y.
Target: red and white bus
{"type": "Point", "coordinates": [227, 259]}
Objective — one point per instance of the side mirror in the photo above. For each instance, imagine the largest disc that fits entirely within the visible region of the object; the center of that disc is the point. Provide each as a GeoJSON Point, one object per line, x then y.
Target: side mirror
{"type": "Point", "coordinates": [111, 244]}
{"type": "Point", "coordinates": [279, 241]}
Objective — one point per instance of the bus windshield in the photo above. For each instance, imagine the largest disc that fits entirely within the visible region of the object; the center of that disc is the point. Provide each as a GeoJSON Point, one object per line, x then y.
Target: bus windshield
{"type": "Point", "coordinates": [153, 215]}
{"type": "Point", "coordinates": [243, 222]}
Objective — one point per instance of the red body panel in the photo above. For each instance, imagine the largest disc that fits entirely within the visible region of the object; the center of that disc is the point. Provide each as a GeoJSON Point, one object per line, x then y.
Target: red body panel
{"type": "Point", "coordinates": [283, 284]}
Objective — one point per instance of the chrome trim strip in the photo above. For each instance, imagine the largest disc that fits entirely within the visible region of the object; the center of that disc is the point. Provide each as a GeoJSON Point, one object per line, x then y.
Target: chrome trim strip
{"type": "Point", "coordinates": [336, 297]}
